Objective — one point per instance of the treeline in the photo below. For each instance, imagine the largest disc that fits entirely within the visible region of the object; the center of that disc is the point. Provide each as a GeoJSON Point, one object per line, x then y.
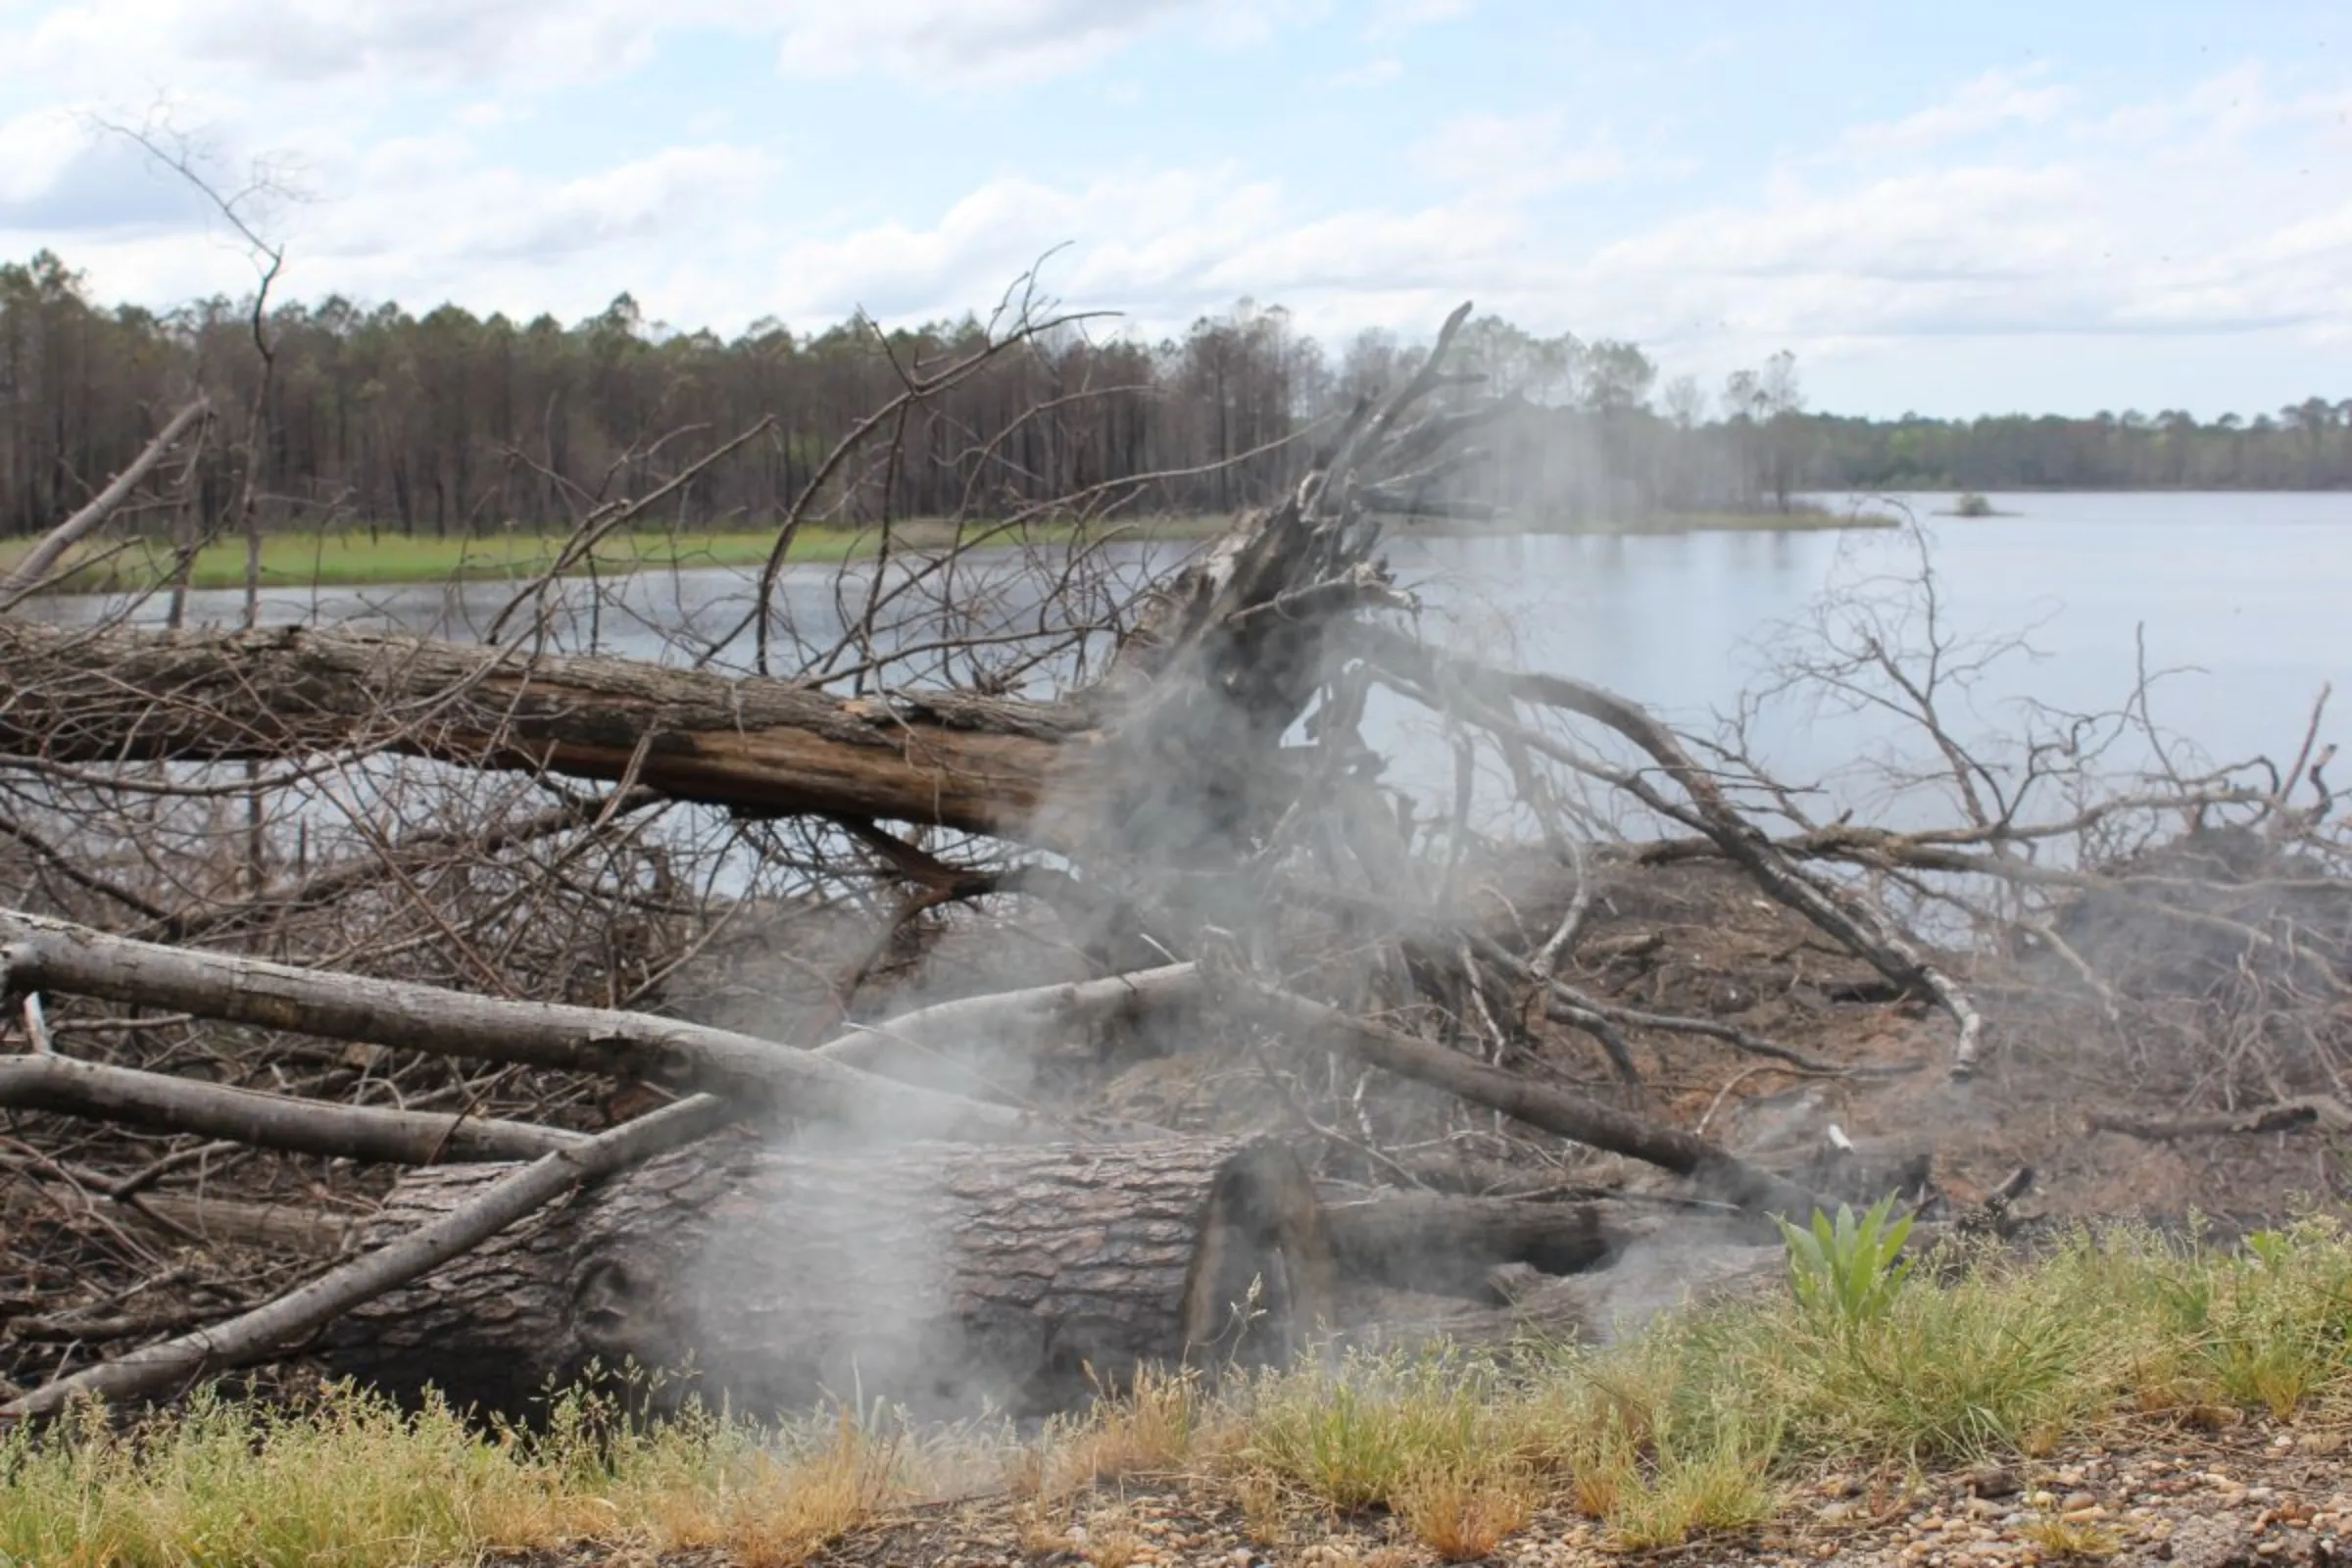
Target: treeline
{"type": "Point", "coordinates": [448, 423]}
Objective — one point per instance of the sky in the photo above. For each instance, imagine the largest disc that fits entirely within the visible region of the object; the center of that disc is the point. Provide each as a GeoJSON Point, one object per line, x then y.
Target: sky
{"type": "Point", "coordinates": [1946, 208]}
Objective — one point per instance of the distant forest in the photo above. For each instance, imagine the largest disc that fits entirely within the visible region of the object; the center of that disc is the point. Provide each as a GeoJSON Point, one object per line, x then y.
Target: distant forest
{"type": "Point", "coordinates": [448, 423]}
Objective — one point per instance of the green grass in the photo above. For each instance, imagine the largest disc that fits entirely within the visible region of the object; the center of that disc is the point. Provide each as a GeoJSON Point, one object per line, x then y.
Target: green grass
{"type": "Point", "coordinates": [1699, 1424]}
{"type": "Point", "coordinates": [358, 557]}
{"type": "Point", "coordinates": [351, 1482]}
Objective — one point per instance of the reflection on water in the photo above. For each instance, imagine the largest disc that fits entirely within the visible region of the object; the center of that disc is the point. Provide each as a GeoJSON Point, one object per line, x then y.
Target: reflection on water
{"type": "Point", "coordinates": [2244, 590]}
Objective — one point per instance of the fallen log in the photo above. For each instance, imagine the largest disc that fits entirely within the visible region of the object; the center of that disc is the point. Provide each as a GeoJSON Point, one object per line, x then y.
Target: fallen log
{"type": "Point", "coordinates": [161, 1102]}
{"type": "Point", "coordinates": [274, 1327]}
{"type": "Point", "coordinates": [754, 1075]}
{"type": "Point", "coordinates": [179, 1216]}
{"type": "Point", "coordinates": [934, 1275]}
{"type": "Point", "coordinates": [1716, 1170]}
{"type": "Point", "coordinates": [99, 698]}
{"type": "Point", "coordinates": [2312, 1110]}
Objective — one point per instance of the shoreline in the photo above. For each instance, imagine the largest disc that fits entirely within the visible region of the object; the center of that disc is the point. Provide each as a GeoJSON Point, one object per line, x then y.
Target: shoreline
{"type": "Point", "coordinates": [356, 557]}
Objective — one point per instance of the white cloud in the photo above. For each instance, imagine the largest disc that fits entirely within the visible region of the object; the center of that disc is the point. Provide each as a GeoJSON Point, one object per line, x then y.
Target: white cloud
{"type": "Point", "coordinates": [1392, 17]}
{"type": "Point", "coordinates": [390, 45]}
{"type": "Point", "coordinates": [394, 46]}
{"type": "Point", "coordinates": [1371, 73]}
{"type": "Point", "coordinates": [1514, 156]}
{"type": "Point", "coordinates": [994, 40]}
{"type": "Point", "coordinates": [1995, 101]}
{"type": "Point", "coordinates": [2223, 209]}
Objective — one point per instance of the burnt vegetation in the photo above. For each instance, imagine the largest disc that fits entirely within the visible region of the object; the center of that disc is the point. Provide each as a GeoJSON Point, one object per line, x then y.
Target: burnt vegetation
{"type": "Point", "coordinates": [1009, 959]}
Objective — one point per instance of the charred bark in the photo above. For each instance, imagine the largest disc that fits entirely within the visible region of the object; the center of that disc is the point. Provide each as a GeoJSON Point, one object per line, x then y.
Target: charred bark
{"type": "Point", "coordinates": [932, 1275]}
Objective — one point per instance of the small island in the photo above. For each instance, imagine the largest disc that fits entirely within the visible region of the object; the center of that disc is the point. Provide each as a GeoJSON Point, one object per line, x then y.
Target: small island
{"type": "Point", "coordinates": [1970, 504]}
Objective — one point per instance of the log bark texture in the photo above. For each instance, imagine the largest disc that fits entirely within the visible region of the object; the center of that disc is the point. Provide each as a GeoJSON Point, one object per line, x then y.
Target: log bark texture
{"type": "Point", "coordinates": [774, 747]}
{"type": "Point", "coordinates": [935, 1275]}
{"type": "Point", "coordinates": [754, 1075]}
{"type": "Point", "coordinates": [161, 1102]}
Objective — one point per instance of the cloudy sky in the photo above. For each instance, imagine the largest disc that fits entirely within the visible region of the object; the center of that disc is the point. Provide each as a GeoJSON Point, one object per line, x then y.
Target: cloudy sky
{"type": "Point", "coordinates": [1950, 208]}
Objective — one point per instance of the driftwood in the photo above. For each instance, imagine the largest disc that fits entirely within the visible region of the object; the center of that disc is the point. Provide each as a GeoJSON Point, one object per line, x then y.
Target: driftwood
{"type": "Point", "coordinates": [930, 1274]}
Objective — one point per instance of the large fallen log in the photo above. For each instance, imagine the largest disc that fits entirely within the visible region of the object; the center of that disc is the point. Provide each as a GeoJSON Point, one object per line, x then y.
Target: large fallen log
{"type": "Point", "coordinates": [932, 1274]}
{"type": "Point", "coordinates": [270, 1327]}
{"type": "Point", "coordinates": [100, 697]}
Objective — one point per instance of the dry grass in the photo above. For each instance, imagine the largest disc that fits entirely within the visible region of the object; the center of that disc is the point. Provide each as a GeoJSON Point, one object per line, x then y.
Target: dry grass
{"type": "Point", "coordinates": [1694, 1427]}
{"type": "Point", "coordinates": [352, 1481]}
{"type": "Point", "coordinates": [1462, 1510]}
{"type": "Point", "coordinates": [2072, 1540]}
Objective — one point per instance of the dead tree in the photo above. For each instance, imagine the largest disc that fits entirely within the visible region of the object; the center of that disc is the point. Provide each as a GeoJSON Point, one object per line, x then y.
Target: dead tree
{"type": "Point", "coordinates": [1166, 789]}
{"type": "Point", "coordinates": [935, 1275]}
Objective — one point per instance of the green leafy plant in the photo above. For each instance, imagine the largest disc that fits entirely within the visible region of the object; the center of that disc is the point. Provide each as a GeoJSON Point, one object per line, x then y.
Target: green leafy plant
{"type": "Point", "coordinates": [1849, 1268]}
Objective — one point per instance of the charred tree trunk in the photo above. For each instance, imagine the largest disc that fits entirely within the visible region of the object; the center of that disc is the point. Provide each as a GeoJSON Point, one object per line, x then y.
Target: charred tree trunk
{"type": "Point", "coordinates": [931, 1275]}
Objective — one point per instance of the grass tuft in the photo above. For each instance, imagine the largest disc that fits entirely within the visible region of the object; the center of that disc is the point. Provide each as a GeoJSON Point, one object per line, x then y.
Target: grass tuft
{"type": "Point", "coordinates": [1693, 1427]}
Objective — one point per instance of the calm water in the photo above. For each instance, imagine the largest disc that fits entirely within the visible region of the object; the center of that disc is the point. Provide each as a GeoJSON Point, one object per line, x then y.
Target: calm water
{"type": "Point", "coordinates": [2246, 591]}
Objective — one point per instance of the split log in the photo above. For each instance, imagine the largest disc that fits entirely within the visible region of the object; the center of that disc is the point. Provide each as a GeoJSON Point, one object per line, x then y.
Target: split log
{"type": "Point", "coordinates": [933, 1274]}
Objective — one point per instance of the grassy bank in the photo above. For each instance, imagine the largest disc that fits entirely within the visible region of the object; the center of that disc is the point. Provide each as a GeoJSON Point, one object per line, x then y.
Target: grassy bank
{"type": "Point", "coordinates": [356, 557]}
{"type": "Point", "coordinates": [1706, 1422]}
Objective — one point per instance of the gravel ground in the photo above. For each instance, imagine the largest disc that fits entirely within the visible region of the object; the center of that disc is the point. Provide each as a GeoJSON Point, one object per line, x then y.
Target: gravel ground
{"type": "Point", "coordinates": [2249, 1497]}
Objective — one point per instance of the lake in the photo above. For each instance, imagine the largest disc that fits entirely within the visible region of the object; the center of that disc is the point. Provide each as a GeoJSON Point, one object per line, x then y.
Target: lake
{"type": "Point", "coordinates": [2246, 593]}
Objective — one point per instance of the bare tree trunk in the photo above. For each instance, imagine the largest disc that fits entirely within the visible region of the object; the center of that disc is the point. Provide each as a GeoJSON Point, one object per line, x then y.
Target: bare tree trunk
{"type": "Point", "coordinates": [767, 746]}
{"type": "Point", "coordinates": [752, 1074]}
{"type": "Point", "coordinates": [518, 1192]}
{"type": "Point", "coordinates": [929, 1274]}
{"type": "Point", "coordinates": [162, 1102]}
{"type": "Point", "coordinates": [29, 575]}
